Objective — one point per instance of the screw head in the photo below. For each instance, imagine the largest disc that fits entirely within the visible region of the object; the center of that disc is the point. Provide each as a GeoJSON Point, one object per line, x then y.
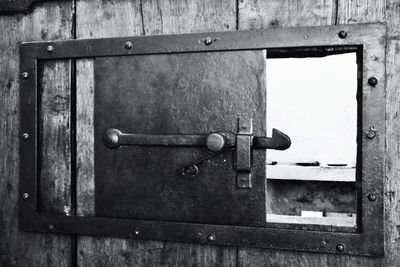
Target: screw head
{"type": "Point", "coordinates": [340, 247]}
{"type": "Point", "coordinates": [50, 48]}
{"type": "Point", "coordinates": [51, 227]}
{"type": "Point", "coordinates": [372, 197]}
{"type": "Point", "coordinates": [128, 45]}
{"type": "Point", "coordinates": [211, 238]}
{"type": "Point", "coordinates": [372, 81]}
{"type": "Point", "coordinates": [342, 34]}
{"type": "Point", "coordinates": [190, 171]}
{"type": "Point", "coordinates": [25, 136]}
{"type": "Point", "coordinates": [371, 133]}
{"type": "Point", "coordinates": [208, 40]}
{"type": "Point", "coordinates": [25, 195]}
{"type": "Point", "coordinates": [25, 75]}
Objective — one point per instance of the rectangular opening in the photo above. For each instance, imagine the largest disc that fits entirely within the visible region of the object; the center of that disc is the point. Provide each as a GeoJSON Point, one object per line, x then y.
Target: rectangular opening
{"type": "Point", "coordinates": [312, 97]}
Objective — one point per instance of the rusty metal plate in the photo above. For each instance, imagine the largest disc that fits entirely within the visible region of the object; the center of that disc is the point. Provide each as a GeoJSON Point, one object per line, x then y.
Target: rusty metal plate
{"type": "Point", "coordinates": [159, 53]}
{"type": "Point", "coordinates": [186, 93]}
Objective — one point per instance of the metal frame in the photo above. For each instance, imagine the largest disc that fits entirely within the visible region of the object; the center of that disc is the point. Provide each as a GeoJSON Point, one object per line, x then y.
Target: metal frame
{"type": "Point", "coordinates": [370, 38]}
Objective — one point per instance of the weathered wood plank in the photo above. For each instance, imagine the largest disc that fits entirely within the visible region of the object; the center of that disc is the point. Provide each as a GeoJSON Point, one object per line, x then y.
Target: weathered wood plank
{"type": "Point", "coordinates": [49, 21]}
{"type": "Point", "coordinates": [124, 18]}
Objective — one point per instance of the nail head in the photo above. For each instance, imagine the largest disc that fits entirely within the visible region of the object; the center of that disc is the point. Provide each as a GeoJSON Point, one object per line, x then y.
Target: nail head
{"type": "Point", "coordinates": [25, 136]}
{"type": "Point", "coordinates": [128, 45]}
{"type": "Point", "coordinates": [342, 34]}
{"type": "Point", "coordinates": [372, 81]}
{"type": "Point", "coordinates": [50, 48]}
{"type": "Point", "coordinates": [25, 75]}
{"type": "Point", "coordinates": [25, 195]}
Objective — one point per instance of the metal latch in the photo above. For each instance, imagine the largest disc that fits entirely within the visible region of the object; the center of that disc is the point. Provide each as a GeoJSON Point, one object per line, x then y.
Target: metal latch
{"type": "Point", "coordinates": [243, 142]}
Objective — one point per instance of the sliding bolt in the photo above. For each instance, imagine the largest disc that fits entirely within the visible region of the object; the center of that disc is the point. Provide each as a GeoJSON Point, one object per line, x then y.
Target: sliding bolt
{"type": "Point", "coordinates": [372, 81]}
{"type": "Point", "coordinates": [128, 45]}
{"type": "Point", "coordinates": [50, 48]}
{"type": "Point", "coordinates": [340, 247]}
{"type": "Point", "coordinates": [342, 34]}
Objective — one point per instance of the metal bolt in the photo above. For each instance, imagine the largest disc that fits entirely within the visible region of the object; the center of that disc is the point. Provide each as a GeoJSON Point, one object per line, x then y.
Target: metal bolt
{"type": "Point", "coordinates": [372, 81]}
{"type": "Point", "coordinates": [136, 232]}
{"type": "Point", "coordinates": [50, 48]}
{"type": "Point", "coordinates": [128, 45]}
{"type": "Point", "coordinates": [211, 238]}
{"type": "Point", "coordinates": [25, 136]}
{"type": "Point", "coordinates": [371, 133]}
{"type": "Point", "coordinates": [25, 195]}
{"type": "Point", "coordinates": [51, 227]}
{"type": "Point", "coordinates": [372, 197]}
{"type": "Point", "coordinates": [342, 34]}
{"type": "Point", "coordinates": [25, 75]}
{"type": "Point", "coordinates": [340, 247]}
{"type": "Point", "coordinates": [208, 40]}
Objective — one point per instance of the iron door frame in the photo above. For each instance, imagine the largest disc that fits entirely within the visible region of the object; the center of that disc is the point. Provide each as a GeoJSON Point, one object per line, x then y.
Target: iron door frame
{"type": "Point", "coordinates": [370, 39]}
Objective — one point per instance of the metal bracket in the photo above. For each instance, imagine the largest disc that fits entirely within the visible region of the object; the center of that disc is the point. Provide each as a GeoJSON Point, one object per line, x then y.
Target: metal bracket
{"type": "Point", "coordinates": [244, 141]}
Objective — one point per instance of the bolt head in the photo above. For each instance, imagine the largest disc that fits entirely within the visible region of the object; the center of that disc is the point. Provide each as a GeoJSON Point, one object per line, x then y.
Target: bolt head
{"type": "Point", "coordinates": [342, 34]}
{"type": "Point", "coordinates": [25, 75]}
{"type": "Point", "coordinates": [372, 197]}
{"type": "Point", "coordinates": [208, 40]}
{"type": "Point", "coordinates": [50, 48]}
{"type": "Point", "coordinates": [128, 45]}
{"type": "Point", "coordinates": [371, 134]}
{"type": "Point", "coordinates": [25, 136]}
{"type": "Point", "coordinates": [190, 171]}
{"type": "Point", "coordinates": [211, 238]}
{"type": "Point", "coordinates": [372, 81]}
{"type": "Point", "coordinates": [25, 195]}
{"type": "Point", "coordinates": [340, 247]}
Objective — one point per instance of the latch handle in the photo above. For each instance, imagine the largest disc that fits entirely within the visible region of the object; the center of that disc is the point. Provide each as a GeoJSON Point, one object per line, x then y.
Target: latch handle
{"type": "Point", "coordinates": [278, 141]}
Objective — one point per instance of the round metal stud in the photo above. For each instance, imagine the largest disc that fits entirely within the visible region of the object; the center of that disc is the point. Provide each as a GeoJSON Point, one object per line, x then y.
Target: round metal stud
{"type": "Point", "coordinates": [111, 138]}
{"type": "Point", "coordinates": [342, 34]}
{"type": "Point", "coordinates": [25, 195]}
{"type": "Point", "coordinates": [25, 136]}
{"type": "Point", "coordinates": [215, 142]}
{"type": "Point", "coordinates": [372, 81]}
{"type": "Point", "coordinates": [51, 227]}
{"type": "Point", "coordinates": [190, 171]}
{"type": "Point", "coordinates": [128, 45]}
{"type": "Point", "coordinates": [136, 232]}
{"type": "Point", "coordinates": [211, 238]}
{"type": "Point", "coordinates": [340, 247]}
{"type": "Point", "coordinates": [208, 40]}
{"type": "Point", "coordinates": [372, 197]}
{"type": "Point", "coordinates": [50, 48]}
{"type": "Point", "coordinates": [25, 75]}
{"type": "Point", "coordinates": [371, 133]}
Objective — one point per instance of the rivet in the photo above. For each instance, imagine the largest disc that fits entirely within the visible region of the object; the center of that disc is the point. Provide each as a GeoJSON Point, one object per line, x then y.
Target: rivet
{"type": "Point", "coordinates": [136, 232]}
{"type": "Point", "coordinates": [371, 133]}
{"type": "Point", "coordinates": [372, 197]}
{"type": "Point", "coordinates": [211, 238]}
{"type": "Point", "coordinates": [51, 227]}
{"type": "Point", "coordinates": [50, 48]}
{"type": "Point", "coordinates": [25, 195]}
{"type": "Point", "coordinates": [342, 34]}
{"type": "Point", "coordinates": [25, 75]}
{"type": "Point", "coordinates": [25, 136]}
{"type": "Point", "coordinates": [340, 247]}
{"type": "Point", "coordinates": [306, 37]}
{"type": "Point", "coordinates": [208, 40]}
{"type": "Point", "coordinates": [128, 45]}
{"type": "Point", "coordinates": [372, 81]}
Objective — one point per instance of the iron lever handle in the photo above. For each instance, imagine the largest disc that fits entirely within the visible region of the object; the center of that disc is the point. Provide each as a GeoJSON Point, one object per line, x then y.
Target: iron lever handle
{"type": "Point", "coordinates": [113, 138]}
